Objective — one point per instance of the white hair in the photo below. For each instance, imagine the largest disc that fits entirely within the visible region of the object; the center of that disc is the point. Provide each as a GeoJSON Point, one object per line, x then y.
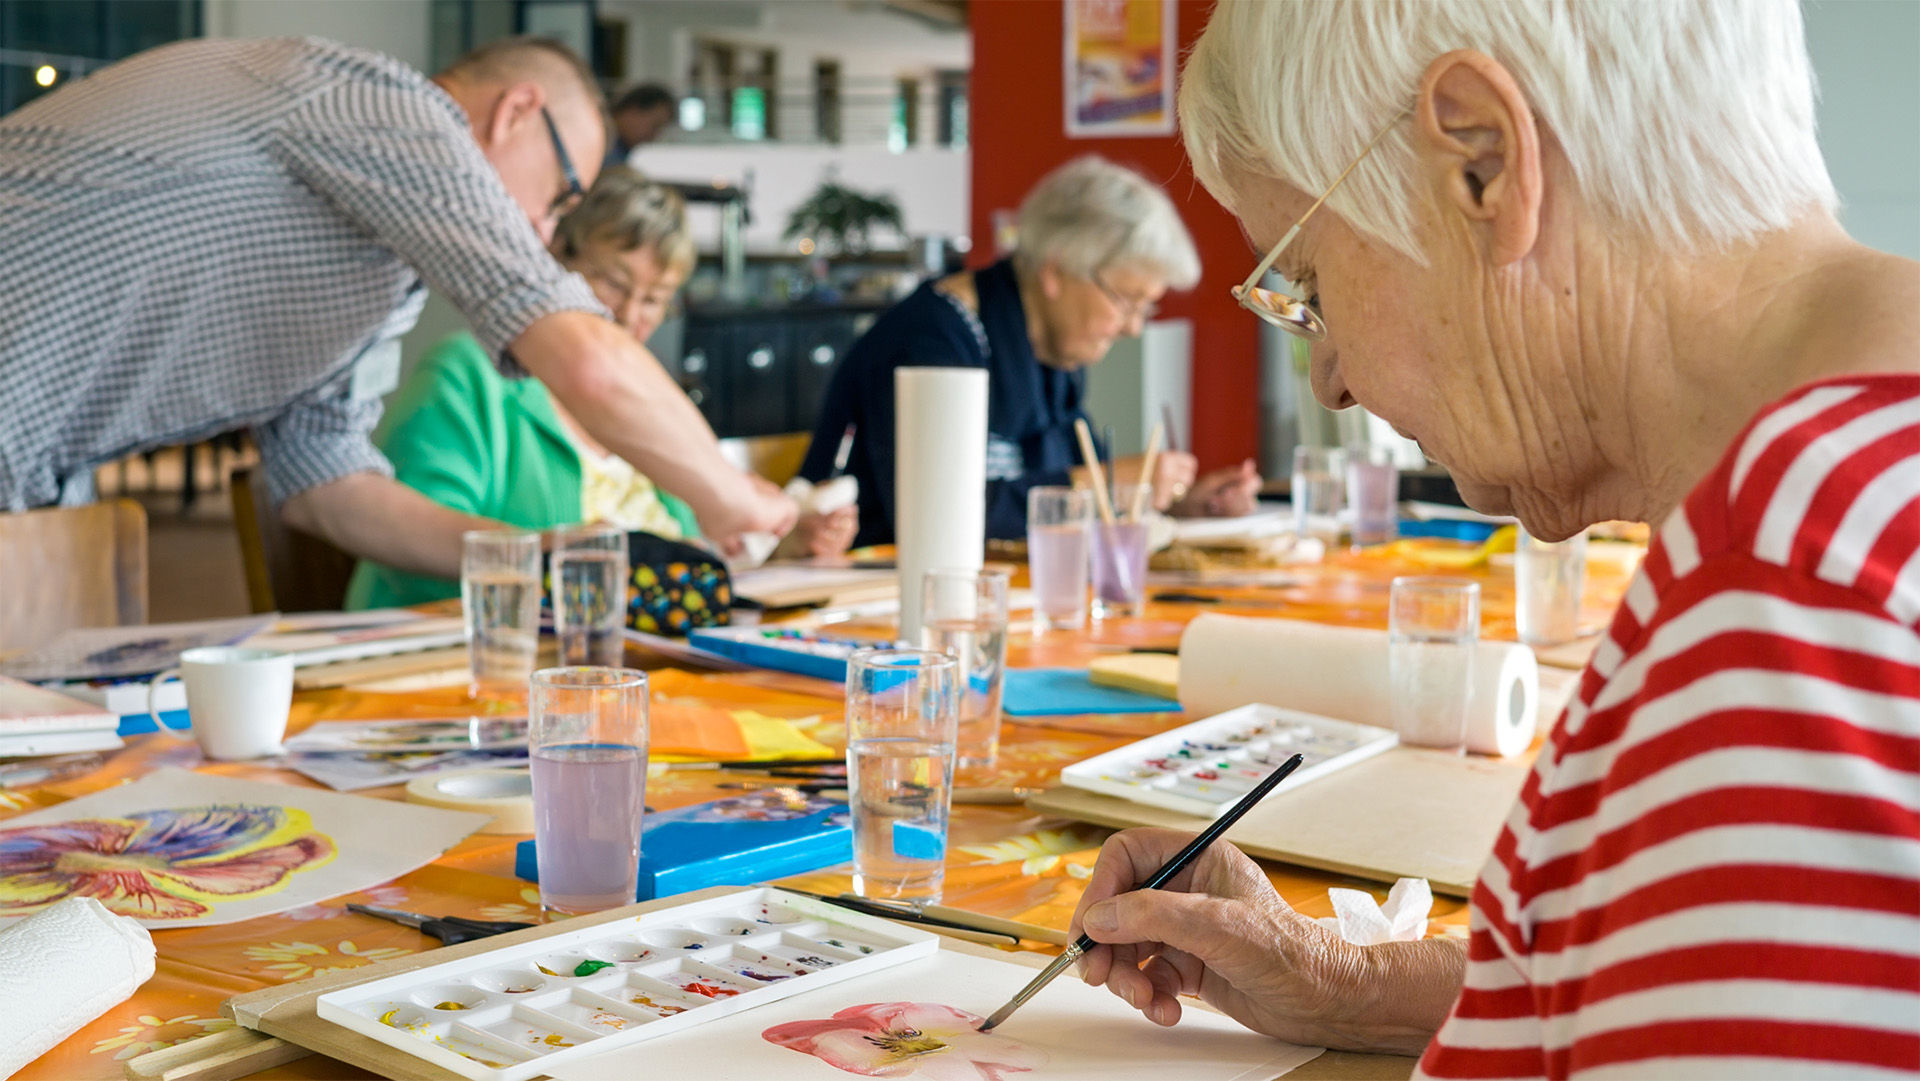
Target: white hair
{"type": "Point", "coordinates": [1090, 214]}
{"type": "Point", "coordinates": [1688, 123]}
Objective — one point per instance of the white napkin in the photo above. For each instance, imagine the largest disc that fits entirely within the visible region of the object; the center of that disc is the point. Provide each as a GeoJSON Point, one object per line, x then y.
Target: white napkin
{"type": "Point", "coordinates": [62, 967]}
{"type": "Point", "coordinates": [1361, 920]}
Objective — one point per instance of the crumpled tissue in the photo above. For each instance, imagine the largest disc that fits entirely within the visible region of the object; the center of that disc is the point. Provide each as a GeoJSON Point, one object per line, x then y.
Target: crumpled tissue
{"type": "Point", "coordinates": [1361, 920]}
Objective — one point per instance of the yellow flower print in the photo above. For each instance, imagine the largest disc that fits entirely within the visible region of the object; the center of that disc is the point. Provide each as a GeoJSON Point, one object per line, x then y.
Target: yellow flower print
{"type": "Point", "coordinates": [153, 1033]}
{"type": "Point", "coordinates": [1039, 851]}
{"type": "Point", "coordinates": [10, 801]}
{"type": "Point", "coordinates": [298, 960]}
{"type": "Point", "coordinates": [529, 906]}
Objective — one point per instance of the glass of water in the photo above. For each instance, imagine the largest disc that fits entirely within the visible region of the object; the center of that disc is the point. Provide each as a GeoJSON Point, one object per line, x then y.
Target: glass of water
{"type": "Point", "coordinates": [1433, 633]}
{"type": "Point", "coordinates": [965, 617]}
{"type": "Point", "coordinates": [587, 739]}
{"type": "Point", "coordinates": [1120, 554]}
{"type": "Point", "coordinates": [500, 594]}
{"type": "Point", "coordinates": [902, 717]}
{"type": "Point", "coordinates": [1059, 540]}
{"type": "Point", "coordinates": [1373, 496]}
{"type": "Point", "coordinates": [1319, 483]}
{"type": "Point", "coordinates": [590, 594]}
{"type": "Point", "coordinates": [1548, 579]}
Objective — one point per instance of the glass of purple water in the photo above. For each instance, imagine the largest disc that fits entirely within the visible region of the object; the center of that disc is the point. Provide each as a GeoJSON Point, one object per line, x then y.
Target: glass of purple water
{"type": "Point", "coordinates": [588, 745]}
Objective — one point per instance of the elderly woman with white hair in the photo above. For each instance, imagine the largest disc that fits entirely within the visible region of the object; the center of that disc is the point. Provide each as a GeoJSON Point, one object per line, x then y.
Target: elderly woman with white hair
{"type": "Point", "coordinates": [1099, 246]}
{"type": "Point", "coordinates": [1585, 252]}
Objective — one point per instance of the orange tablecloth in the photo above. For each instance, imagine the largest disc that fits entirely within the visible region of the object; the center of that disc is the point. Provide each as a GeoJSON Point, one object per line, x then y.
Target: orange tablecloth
{"type": "Point", "coordinates": [1003, 860]}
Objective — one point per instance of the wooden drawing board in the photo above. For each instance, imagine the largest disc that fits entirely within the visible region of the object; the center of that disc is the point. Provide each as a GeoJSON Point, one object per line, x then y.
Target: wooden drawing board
{"type": "Point", "coordinates": [1406, 813]}
{"type": "Point", "coordinates": [289, 1012]}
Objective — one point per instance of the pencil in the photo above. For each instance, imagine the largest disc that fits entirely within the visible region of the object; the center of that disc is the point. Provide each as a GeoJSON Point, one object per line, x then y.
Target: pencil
{"type": "Point", "coordinates": [1160, 878]}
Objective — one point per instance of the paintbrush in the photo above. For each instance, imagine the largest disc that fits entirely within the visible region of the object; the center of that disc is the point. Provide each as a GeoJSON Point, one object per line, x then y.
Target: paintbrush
{"type": "Point", "coordinates": [1160, 878]}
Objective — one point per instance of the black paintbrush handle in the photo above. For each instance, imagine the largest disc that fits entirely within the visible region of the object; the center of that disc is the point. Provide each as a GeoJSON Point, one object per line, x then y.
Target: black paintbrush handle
{"type": "Point", "coordinates": [1211, 834]}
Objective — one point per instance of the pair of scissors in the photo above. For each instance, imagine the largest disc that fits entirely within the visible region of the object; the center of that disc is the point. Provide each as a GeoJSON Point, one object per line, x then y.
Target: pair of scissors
{"type": "Point", "coordinates": [448, 929]}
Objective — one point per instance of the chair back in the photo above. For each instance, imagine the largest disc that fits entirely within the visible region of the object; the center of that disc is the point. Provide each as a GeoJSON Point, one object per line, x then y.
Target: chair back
{"type": "Point", "coordinates": [775, 457]}
{"type": "Point", "coordinates": [68, 567]}
{"type": "Point", "coordinates": [287, 570]}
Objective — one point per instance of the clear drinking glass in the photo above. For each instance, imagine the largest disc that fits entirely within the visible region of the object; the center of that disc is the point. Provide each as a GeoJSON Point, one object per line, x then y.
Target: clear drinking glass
{"type": "Point", "coordinates": [902, 717]}
{"type": "Point", "coordinates": [1319, 483]}
{"type": "Point", "coordinates": [964, 615]}
{"type": "Point", "coordinates": [1373, 496]}
{"type": "Point", "coordinates": [500, 594]}
{"type": "Point", "coordinates": [590, 594]}
{"type": "Point", "coordinates": [1059, 536]}
{"type": "Point", "coordinates": [588, 745]}
{"type": "Point", "coordinates": [1434, 631]}
{"type": "Point", "coordinates": [1120, 556]}
{"type": "Point", "coordinates": [1548, 579]}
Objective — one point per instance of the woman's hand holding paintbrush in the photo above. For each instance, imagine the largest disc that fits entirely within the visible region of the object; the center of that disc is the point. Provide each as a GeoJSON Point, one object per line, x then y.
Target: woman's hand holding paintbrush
{"type": "Point", "coordinates": [1169, 871]}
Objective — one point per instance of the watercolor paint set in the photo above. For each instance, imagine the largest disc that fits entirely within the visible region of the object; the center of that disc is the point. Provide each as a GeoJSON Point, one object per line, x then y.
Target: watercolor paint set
{"type": "Point", "coordinates": [1202, 768]}
{"type": "Point", "coordinates": [786, 649]}
{"type": "Point", "coordinates": [520, 1011]}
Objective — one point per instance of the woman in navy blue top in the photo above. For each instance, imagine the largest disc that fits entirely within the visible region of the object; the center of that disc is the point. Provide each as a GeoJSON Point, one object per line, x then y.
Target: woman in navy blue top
{"type": "Point", "coordinates": [1099, 247]}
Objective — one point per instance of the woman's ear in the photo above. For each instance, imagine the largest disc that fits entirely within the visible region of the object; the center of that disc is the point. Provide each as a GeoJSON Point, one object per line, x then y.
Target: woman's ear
{"type": "Point", "coordinates": [1050, 280]}
{"type": "Point", "coordinates": [1475, 132]}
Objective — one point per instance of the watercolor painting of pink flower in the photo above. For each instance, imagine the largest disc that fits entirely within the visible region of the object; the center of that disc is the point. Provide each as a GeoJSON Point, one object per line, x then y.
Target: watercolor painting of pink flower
{"type": "Point", "coordinates": [908, 1039]}
{"type": "Point", "coordinates": [161, 865]}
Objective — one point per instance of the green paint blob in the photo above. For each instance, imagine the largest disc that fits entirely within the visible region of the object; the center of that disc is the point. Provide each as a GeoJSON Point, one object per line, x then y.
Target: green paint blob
{"type": "Point", "coordinates": [588, 968]}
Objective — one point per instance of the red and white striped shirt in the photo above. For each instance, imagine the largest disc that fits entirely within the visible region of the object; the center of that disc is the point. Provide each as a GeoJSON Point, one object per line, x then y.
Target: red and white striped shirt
{"type": "Point", "coordinates": [1714, 869]}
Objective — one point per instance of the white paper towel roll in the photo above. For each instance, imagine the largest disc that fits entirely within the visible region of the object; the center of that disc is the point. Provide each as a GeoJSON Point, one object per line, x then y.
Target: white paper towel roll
{"type": "Point", "coordinates": [1231, 661]}
{"type": "Point", "coordinates": [59, 969]}
{"type": "Point", "coordinates": [940, 477]}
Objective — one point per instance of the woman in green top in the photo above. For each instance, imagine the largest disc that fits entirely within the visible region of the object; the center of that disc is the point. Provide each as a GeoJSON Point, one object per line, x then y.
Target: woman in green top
{"type": "Point", "coordinates": [473, 440]}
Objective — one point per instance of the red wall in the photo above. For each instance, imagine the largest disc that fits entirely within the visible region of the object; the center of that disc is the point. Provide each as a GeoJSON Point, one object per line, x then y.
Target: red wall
{"type": "Point", "coordinates": [1018, 133]}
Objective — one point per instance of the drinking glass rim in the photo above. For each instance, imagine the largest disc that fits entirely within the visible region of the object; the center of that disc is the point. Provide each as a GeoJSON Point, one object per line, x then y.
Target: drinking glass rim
{"type": "Point", "coordinates": [894, 659]}
{"type": "Point", "coordinates": [1437, 583]}
{"type": "Point", "coordinates": [574, 677]}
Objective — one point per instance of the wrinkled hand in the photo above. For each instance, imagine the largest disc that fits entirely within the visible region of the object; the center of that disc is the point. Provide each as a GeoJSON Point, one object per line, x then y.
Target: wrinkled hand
{"type": "Point", "coordinates": [822, 534]}
{"type": "Point", "coordinates": [1218, 930]}
{"type": "Point", "coordinates": [1223, 493]}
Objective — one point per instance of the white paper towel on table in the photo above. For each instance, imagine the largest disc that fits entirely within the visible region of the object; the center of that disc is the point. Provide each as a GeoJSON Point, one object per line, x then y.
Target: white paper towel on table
{"type": "Point", "coordinates": [1231, 661]}
{"type": "Point", "coordinates": [940, 478]}
{"type": "Point", "coordinates": [59, 969]}
{"type": "Point", "coordinates": [1363, 921]}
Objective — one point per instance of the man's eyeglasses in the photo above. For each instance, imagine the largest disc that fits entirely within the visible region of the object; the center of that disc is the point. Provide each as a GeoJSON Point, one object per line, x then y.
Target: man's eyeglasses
{"type": "Point", "coordinates": [1289, 313]}
{"type": "Point", "coordinates": [566, 199]}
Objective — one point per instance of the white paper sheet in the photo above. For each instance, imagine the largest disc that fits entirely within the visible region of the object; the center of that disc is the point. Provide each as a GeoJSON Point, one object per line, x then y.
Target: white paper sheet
{"type": "Point", "coordinates": [184, 849]}
{"type": "Point", "coordinates": [1068, 1031]}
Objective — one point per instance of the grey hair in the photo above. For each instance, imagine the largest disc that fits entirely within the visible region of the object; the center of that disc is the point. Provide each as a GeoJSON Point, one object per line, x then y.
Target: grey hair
{"type": "Point", "coordinates": [1688, 123]}
{"type": "Point", "coordinates": [630, 212]}
{"type": "Point", "coordinates": [1090, 214]}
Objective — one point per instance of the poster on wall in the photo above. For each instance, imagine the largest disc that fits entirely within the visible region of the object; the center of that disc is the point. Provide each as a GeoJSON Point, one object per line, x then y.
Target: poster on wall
{"type": "Point", "coordinates": [1119, 67]}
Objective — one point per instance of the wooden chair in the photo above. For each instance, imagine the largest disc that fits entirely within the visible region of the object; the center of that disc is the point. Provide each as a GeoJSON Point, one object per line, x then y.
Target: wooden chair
{"type": "Point", "coordinates": [68, 567]}
{"type": "Point", "coordinates": [287, 570]}
{"type": "Point", "coordinates": [775, 457]}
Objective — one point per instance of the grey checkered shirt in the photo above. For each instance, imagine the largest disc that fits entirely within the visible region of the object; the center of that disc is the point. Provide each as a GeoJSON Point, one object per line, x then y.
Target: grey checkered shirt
{"type": "Point", "coordinates": [212, 234]}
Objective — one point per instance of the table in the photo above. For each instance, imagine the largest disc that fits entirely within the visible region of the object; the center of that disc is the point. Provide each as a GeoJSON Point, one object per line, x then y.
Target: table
{"type": "Point", "coordinates": [1004, 860]}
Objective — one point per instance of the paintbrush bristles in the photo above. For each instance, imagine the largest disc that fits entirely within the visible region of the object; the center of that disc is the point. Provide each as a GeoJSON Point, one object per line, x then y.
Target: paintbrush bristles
{"type": "Point", "coordinates": [1094, 471]}
{"type": "Point", "coordinates": [1145, 481]}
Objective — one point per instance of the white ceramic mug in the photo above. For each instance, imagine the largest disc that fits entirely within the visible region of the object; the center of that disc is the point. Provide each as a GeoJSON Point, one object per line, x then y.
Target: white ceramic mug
{"type": "Point", "coordinates": [237, 698]}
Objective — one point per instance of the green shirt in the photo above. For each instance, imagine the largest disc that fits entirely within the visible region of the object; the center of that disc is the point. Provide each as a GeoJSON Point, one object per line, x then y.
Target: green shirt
{"type": "Point", "coordinates": [471, 439]}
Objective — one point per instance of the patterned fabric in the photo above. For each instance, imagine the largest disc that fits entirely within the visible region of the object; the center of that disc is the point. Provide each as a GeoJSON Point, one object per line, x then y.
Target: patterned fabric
{"type": "Point", "coordinates": [212, 234]}
{"type": "Point", "coordinates": [613, 492]}
{"type": "Point", "coordinates": [1714, 870]}
{"type": "Point", "coordinates": [676, 587]}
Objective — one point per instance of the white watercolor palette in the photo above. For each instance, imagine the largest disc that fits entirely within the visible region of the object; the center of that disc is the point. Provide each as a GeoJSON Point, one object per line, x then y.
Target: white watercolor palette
{"type": "Point", "coordinates": [521, 1011]}
{"type": "Point", "coordinates": [1202, 768]}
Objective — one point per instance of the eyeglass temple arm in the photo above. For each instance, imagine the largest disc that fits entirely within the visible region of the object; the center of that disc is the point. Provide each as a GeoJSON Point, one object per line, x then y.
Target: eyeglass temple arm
{"type": "Point", "coordinates": [1273, 256]}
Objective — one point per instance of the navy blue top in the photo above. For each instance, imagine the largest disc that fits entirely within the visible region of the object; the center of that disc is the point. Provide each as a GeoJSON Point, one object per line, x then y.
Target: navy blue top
{"type": "Point", "coordinates": [1031, 407]}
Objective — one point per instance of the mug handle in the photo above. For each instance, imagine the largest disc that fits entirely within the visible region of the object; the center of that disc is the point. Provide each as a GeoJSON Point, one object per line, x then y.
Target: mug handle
{"type": "Point", "coordinates": [153, 688]}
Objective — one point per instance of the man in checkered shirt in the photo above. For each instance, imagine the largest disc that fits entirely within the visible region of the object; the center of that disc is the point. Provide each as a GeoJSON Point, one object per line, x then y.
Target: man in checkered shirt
{"type": "Point", "coordinates": [222, 234]}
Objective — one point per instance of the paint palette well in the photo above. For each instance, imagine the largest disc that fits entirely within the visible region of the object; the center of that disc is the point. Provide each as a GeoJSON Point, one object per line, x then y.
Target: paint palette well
{"type": "Point", "coordinates": [1204, 767]}
{"type": "Point", "coordinates": [516, 1012]}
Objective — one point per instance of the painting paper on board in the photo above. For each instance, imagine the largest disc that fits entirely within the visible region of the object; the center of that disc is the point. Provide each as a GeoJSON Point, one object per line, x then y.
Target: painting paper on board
{"type": "Point", "coordinates": [182, 849]}
{"type": "Point", "coordinates": [914, 1022]}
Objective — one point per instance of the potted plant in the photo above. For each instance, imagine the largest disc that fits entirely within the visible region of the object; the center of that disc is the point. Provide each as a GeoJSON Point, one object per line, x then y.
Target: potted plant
{"type": "Point", "coordinates": [841, 220]}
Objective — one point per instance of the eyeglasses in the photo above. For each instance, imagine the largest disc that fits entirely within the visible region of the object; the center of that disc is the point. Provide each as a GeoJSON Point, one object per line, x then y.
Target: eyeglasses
{"type": "Point", "coordinates": [1289, 313]}
{"type": "Point", "coordinates": [1130, 310]}
{"type": "Point", "coordinates": [565, 200]}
